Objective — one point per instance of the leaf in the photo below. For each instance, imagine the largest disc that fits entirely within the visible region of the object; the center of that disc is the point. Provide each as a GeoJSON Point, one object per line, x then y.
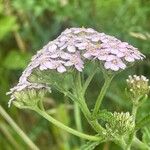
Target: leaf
{"type": "Point", "coordinates": [16, 60]}
{"type": "Point", "coordinates": [89, 145]}
{"type": "Point", "coordinates": [143, 122]}
{"type": "Point", "coordinates": [7, 24]}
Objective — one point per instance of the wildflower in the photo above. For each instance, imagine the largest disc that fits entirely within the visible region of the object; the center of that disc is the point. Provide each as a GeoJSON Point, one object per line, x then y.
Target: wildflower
{"type": "Point", "coordinates": [76, 61]}
{"type": "Point", "coordinates": [73, 48]}
{"type": "Point", "coordinates": [22, 89]}
{"type": "Point", "coordinates": [114, 63]}
{"type": "Point", "coordinates": [88, 44]}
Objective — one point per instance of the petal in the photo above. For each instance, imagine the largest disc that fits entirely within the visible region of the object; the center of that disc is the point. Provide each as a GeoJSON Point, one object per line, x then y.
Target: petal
{"type": "Point", "coordinates": [65, 56]}
{"type": "Point", "coordinates": [60, 44]}
{"type": "Point", "coordinates": [77, 31]}
{"type": "Point", "coordinates": [129, 58]}
{"type": "Point", "coordinates": [111, 57]}
{"type": "Point", "coordinates": [49, 65]}
{"type": "Point", "coordinates": [52, 47]}
{"type": "Point", "coordinates": [61, 69]}
{"type": "Point", "coordinates": [136, 56]}
{"type": "Point", "coordinates": [121, 65]}
{"type": "Point", "coordinates": [68, 63]}
{"type": "Point", "coordinates": [102, 57]}
{"type": "Point", "coordinates": [81, 46]}
{"type": "Point", "coordinates": [114, 67]}
{"type": "Point", "coordinates": [71, 49]}
{"type": "Point", "coordinates": [63, 38]}
{"type": "Point", "coordinates": [79, 67]}
{"type": "Point", "coordinates": [42, 67]}
{"type": "Point", "coordinates": [114, 51]}
{"type": "Point", "coordinates": [55, 55]}
{"type": "Point", "coordinates": [87, 55]}
{"type": "Point", "coordinates": [95, 39]}
{"type": "Point", "coordinates": [107, 65]}
{"type": "Point", "coordinates": [120, 54]}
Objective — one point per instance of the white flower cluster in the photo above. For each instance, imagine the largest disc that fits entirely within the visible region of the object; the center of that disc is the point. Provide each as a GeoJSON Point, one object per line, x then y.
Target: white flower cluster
{"type": "Point", "coordinates": [121, 124]}
{"type": "Point", "coordinates": [138, 85]}
{"type": "Point", "coordinates": [72, 48]}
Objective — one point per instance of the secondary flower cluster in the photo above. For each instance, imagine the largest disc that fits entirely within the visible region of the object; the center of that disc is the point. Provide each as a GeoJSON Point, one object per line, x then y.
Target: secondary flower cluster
{"type": "Point", "coordinates": [72, 48]}
{"type": "Point", "coordinates": [138, 85]}
{"type": "Point", "coordinates": [120, 124]}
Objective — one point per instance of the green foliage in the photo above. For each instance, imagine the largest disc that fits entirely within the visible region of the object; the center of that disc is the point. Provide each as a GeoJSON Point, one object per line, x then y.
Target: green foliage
{"type": "Point", "coordinates": [143, 122]}
{"type": "Point", "coordinates": [16, 60]}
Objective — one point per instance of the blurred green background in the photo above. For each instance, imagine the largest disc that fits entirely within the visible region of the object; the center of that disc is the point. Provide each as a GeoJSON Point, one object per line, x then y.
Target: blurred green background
{"type": "Point", "coordinates": [26, 26]}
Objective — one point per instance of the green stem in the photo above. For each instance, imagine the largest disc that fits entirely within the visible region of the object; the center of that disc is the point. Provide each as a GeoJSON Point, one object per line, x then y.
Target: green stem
{"type": "Point", "coordinates": [81, 101]}
{"type": "Point", "coordinates": [41, 105]}
{"type": "Point", "coordinates": [17, 129]}
{"type": "Point", "coordinates": [137, 144]}
{"type": "Point", "coordinates": [101, 95]}
{"type": "Point", "coordinates": [94, 123]}
{"type": "Point", "coordinates": [64, 127]}
{"type": "Point", "coordinates": [132, 135]}
{"type": "Point", "coordinates": [78, 119]}
{"type": "Point", "coordinates": [121, 142]}
{"type": "Point", "coordinates": [10, 138]}
{"type": "Point", "coordinates": [88, 80]}
{"type": "Point", "coordinates": [134, 111]}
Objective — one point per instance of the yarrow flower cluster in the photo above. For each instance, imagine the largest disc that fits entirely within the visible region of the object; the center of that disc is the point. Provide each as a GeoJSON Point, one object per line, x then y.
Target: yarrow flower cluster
{"type": "Point", "coordinates": [72, 48]}
{"type": "Point", "coordinates": [138, 85]}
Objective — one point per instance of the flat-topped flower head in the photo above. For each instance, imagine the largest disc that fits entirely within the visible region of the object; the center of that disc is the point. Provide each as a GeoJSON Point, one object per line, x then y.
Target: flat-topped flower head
{"type": "Point", "coordinates": [76, 45]}
{"type": "Point", "coordinates": [72, 49]}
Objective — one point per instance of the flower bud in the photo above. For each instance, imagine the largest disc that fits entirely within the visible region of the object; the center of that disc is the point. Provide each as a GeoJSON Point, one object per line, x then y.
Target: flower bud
{"type": "Point", "coordinates": [28, 97]}
{"type": "Point", "coordinates": [138, 86]}
{"type": "Point", "coordinates": [120, 124]}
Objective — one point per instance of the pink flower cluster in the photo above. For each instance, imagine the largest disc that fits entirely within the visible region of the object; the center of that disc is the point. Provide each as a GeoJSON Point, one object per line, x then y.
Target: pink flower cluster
{"type": "Point", "coordinates": [76, 45]}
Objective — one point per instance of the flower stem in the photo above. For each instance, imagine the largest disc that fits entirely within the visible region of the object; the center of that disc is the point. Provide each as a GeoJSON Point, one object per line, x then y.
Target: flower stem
{"type": "Point", "coordinates": [101, 95]}
{"type": "Point", "coordinates": [17, 129]}
{"type": "Point", "coordinates": [139, 145]}
{"type": "Point", "coordinates": [41, 105]}
{"type": "Point", "coordinates": [78, 119]}
{"type": "Point", "coordinates": [88, 80]}
{"type": "Point", "coordinates": [82, 103]}
{"type": "Point", "coordinates": [121, 142]}
{"type": "Point", "coordinates": [64, 127]}
{"type": "Point", "coordinates": [132, 135]}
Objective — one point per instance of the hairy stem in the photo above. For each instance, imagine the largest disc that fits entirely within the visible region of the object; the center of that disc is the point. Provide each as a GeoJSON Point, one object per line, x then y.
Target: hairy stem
{"type": "Point", "coordinates": [88, 80]}
{"type": "Point", "coordinates": [83, 106]}
{"type": "Point", "coordinates": [121, 142]}
{"type": "Point", "coordinates": [17, 129]}
{"type": "Point", "coordinates": [41, 105]}
{"type": "Point", "coordinates": [139, 145]}
{"type": "Point", "coordinates": [132, 135]}
{"type": "Point", "coordinates": [78, 119]}
{"type": "Point", "coordinates": [101, 95]}
{"type": "Point", "coordinates": [64, 127]}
